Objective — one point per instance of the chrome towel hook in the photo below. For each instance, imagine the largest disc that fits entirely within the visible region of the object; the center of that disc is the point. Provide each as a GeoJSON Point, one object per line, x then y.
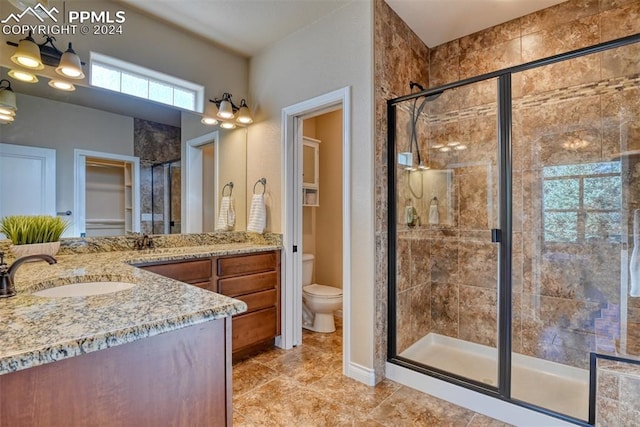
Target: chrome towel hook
{"type": "Point", "coordinates": [262, 181]}
{"type": "Point", "coordinates": [228, 185]}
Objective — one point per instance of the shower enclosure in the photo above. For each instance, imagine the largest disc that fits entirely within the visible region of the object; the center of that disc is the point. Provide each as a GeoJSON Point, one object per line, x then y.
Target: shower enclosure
{"type": "Point", "coordinates": [161, 200]}
{"type": "Point", "coordinates": [512, 240]}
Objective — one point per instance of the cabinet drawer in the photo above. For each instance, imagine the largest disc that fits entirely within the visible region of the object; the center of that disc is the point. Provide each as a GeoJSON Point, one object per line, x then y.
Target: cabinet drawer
{"type": "Point", "coordinates": [259, 300]}
{"type": "Point", "coordinates": [196, 271]}
{"type": "Point", "coordinates": [235, 286]}
{"type": "Point", "coordinates": [246, 264]}
{"type": "Point", "coordinates": [249, 329]}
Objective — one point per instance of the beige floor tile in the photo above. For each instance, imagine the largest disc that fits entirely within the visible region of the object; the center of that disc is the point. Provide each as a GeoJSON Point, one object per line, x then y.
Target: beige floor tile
{"type": "Point", "coordinates": [408, 407]}
{"type": "Point", "coordinates": [304, 387]}
{"type": "Point", "coordinates": [480, 420]}
{"type": "Point", "coordinates": [249, 374]}
{"type": "Point", "coordinates": [282, 402]}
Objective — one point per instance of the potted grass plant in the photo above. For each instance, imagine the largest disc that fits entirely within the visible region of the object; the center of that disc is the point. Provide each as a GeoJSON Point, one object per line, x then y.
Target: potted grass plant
{"type": "Point", "coordinates": [33, 234]}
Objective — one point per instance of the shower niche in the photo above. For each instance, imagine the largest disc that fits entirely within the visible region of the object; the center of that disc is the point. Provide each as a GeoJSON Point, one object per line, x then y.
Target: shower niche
{"type": "Point", "coordinates": [524, 276]}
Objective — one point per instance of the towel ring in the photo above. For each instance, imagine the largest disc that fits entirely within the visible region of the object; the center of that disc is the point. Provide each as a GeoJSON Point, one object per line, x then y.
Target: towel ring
{"type": "Point", "coordinates": [262, 181]}
{"type": "Point", "coordinates": [230, 185]}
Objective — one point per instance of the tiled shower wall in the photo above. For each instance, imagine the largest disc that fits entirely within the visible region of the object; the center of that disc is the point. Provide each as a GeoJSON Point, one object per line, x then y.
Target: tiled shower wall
{"type": "Point", "coordinates": [400, 57]}
{"type": "Point", "coordinates": [156, 143]}
{"type": "Point", "coordinates": [568, 26]}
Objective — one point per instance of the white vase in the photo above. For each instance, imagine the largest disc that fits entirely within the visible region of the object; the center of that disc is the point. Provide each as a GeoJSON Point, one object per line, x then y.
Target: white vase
{"type": "Point", "coordinates": [50, 248]}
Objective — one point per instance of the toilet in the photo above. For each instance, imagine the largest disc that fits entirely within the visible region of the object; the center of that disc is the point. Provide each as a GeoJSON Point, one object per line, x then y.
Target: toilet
{"type": "Point", "coordinates": [319, 301]}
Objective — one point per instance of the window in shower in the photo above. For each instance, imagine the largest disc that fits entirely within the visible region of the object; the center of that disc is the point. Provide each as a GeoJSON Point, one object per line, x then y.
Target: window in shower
{"type": "Point", "coordinates": [581, 202]}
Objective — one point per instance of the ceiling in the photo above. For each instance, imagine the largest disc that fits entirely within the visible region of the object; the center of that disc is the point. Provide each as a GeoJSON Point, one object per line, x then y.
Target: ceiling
{"type": "Point", "coordinates": [249, 26]}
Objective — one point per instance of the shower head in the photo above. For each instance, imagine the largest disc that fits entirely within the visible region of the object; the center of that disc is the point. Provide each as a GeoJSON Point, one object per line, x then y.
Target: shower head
{"type": "Point", "coordinates": [428, 98]}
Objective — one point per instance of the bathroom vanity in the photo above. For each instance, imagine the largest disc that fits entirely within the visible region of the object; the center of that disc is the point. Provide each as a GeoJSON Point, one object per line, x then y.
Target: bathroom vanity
{"type": "Point", "coordinates": [158, 353]}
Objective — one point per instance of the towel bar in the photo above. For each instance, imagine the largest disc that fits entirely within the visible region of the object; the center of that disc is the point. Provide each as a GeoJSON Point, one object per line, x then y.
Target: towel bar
{"type": "Point", "coordinates": [230, 185]}
{"type": "Point", "coordinates": [262, 181]}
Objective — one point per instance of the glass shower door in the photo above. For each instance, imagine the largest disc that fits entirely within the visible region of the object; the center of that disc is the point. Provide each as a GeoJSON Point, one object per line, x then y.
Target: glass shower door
{"type": "Point", "coordinates": [447, 203]}
{"type": "Point", "coordinates": [576, 142]}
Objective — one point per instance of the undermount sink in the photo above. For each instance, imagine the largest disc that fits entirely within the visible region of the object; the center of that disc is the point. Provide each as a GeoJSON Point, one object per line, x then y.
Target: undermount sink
{"type": "Point", "coordinates": [84, 289]}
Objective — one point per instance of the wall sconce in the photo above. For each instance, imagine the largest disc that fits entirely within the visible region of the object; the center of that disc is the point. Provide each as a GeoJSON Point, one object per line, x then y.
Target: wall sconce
{"type": "Point", "coordinates": [35, 56]}
{"type": "Point", "coordinates": [23, 76]}
{"type": "Point", "coordinates": [228, 110]}
{"type": "Point", "coordinates": [8, 106]}
{"type": "Point", "coordinates": [209, 115]}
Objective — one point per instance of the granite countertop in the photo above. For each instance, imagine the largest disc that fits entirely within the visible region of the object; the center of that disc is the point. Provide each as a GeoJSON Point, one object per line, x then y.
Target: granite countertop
{"type": "Point", "coordinates": [39, 330]}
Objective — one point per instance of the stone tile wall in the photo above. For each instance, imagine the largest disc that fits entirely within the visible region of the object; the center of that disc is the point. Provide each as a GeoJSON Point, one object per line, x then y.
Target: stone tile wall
{"type": "Point", "coordinates": [618, 388]}
{"type": "Point", "coordinates": [399, 57]}
{"type": "Point", "coordinates": [156, 143]}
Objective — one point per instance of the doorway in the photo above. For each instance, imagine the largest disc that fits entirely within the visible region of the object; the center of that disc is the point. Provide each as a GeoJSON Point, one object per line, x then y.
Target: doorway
{"type": "Point", "coordinates": [201, 190]}
{"type": "Point", "coordinates": [107, 194]}
{"type": "Point", "coordinates": [293, 187]}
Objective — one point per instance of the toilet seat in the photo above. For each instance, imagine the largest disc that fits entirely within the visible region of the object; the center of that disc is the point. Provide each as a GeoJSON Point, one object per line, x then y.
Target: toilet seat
{"type": "Point", "coordinates": [322, 291]}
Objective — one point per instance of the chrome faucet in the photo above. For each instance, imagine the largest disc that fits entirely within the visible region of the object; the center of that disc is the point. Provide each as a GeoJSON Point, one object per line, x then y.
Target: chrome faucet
{"type": "Point", "coordinates": [7, 288]}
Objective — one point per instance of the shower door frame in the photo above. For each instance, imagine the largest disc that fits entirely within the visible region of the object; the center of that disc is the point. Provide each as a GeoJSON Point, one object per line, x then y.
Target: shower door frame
{"type": "Point", "coordinates": [504, 113]}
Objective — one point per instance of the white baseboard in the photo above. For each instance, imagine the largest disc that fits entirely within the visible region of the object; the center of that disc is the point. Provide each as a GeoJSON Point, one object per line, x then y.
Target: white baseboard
{"type": "Point", "coordinates": [360, 373]}
{"type": "Point", "coordinates": [478, 402]}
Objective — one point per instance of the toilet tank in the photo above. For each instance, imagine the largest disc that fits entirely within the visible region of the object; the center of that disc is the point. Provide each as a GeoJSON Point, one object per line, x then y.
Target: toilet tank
{"type": "Point", "coordinates": [307, 269]}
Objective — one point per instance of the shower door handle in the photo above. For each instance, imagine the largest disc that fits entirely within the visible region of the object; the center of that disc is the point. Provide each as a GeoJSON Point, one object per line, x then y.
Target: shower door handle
{"type": "Point", "coordinates": [496, 235]}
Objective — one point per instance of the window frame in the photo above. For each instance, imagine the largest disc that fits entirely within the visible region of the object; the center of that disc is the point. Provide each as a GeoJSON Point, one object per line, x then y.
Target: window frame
{"type": "Point", "coordinates": [150, 76]}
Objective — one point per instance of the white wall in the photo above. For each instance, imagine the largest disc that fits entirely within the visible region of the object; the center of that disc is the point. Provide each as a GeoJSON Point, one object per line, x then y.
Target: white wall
{"type": "Point", "coordinates": [334, 52]}
{"type": "Point", "coordinates": [150, 43]}
{"type": "Point", "coordinates": [65, 127]}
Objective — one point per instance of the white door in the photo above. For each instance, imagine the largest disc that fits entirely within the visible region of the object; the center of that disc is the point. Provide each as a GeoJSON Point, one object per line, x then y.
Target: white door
{"type": "Point", "coordinates": [27, 180]}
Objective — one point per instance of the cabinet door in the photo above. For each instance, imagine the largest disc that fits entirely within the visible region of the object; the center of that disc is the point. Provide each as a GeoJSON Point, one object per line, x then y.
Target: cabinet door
{"type": "Point", "coordinates": [196, 272]}
{"type": "Point", "coordinates": [309, 164]}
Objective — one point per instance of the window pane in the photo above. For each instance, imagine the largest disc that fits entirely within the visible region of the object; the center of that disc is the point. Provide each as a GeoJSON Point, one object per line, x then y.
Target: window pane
{"type": "Point", "coordinates": [561, 194]}
{"type": "Point", "coordinates": [184, 99]}
{"type": "Point", "coordinates": [602, 193]}
{"type": "Point", "coordinates": [134, 85]}
{"type": "Point", "coordinates": [580, 170]}
{"type": "Point", "coordinates": [560, 226]}
{"type": "Point", "coordinates": [160, 92]}
{"type": "Point", "coordinates": [105, 77]}
{"type": "Point", "coordinates": [603, 225]}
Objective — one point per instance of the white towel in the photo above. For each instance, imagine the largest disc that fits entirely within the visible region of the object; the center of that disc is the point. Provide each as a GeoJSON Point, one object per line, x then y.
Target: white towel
{"type": "Point", "coordinates": [257, 214]}
{"type": "Point", "coordinates": [227, 216]}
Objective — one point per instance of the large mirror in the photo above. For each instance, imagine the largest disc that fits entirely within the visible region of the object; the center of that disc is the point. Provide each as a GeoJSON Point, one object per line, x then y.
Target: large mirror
{"type": "Point", "coordinates": [122, 164]}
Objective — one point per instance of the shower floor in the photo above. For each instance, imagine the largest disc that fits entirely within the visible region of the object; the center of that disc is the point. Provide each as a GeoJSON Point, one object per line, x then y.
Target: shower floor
{"type": "Point", "coordinates": [550, 385]}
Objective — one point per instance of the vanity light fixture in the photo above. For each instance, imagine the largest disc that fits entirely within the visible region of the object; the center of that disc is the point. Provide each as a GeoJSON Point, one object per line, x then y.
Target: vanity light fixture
{"type": "Point", "coordinates": [62, 85]}
{"type": "Point", "coordinates": [70, 65]}
{"type": "Point", "coordinates": [227, 125]}
{"type": "Point", "coordinates": [35, 56]}
{"type": "Point", "coordinates": [27, 54]}
{"type": "Point", "coordinates": [8, 106]}
{"type": "Point", "coordinates": [23, 76]}
{"type": "Point", "coordinates": [209, 115]}
{"type": "Point", "coordinates": [228, 110]}
{"type": "Point", "coordinates": [244, 114]}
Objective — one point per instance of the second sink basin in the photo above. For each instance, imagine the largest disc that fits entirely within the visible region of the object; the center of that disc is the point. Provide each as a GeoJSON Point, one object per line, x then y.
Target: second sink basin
{"type": "Point", "coordinates": [84, 289]}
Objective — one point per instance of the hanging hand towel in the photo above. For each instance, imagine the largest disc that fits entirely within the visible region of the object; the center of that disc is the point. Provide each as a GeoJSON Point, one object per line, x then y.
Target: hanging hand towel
{"type": "Point", "coordinates": [227, 216]}
{"type": "Point", "coordinates": [257, 214]}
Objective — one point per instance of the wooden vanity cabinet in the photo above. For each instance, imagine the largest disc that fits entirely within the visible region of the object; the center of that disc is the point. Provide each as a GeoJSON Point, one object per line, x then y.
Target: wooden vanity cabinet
{"type": "Point", "coordinates": [255, 279]}
{"type": "Point", "coordinates": [197, 272]}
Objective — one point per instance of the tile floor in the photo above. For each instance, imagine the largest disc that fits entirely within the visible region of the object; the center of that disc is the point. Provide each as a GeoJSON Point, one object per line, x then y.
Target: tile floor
{"type": "Point", "coordinates": [305, 387]}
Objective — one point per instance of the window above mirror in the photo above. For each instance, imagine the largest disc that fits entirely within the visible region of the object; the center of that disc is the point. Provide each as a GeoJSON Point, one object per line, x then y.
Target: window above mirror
{"type": "Point", "coordinates": [131, 79]}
